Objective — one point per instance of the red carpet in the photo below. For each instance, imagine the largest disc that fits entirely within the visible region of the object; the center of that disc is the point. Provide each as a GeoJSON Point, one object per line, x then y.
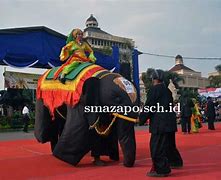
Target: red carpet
{"type": "Point", "coordinates": [27, 159]}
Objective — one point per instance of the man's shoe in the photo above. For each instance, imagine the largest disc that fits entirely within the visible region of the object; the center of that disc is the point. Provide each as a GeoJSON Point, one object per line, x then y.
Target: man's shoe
{"type": "Point", "coordinates": [155, 174]}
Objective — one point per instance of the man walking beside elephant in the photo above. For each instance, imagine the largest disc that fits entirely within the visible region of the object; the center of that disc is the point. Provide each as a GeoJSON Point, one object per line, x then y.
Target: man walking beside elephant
{"type": "Point", "coordinates": [163, 126]}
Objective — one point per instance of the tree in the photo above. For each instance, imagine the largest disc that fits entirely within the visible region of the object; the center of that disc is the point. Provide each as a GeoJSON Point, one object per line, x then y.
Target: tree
{"type": "Point", "coordinates": [189, 92]}
{"type": "Point", "coordinates": [16, 98]}
{"type": "Point", "coordinates": [146, 77]}
{"type": "Point", "coordinates": [174, 77]}
{"type": "Point", "coordinates": [218, 68]}
{"type": "Point", "coordinates": [105, 50]}
{"type": "Point", "coordinates": [215, 81]}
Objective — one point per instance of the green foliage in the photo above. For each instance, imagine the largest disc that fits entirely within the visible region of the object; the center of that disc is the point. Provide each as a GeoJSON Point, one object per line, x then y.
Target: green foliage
{"type": "Point", "coordinates": [32, 118]}
{"type": "Point", "coordinates": [218, 68]}
{"type": "Point", "coordinates": [188, 92]}
{"type": "Point", "coordinates": [4, 121]}
{"type": "Point", "coordinates": [129, 45]}
{"type": "Point", "coordinates": [17, 97]}
{"type": "Point", "coordinates": [16, 121]}
{"type": "Point", "coordinates": [7, 126]}
{"type": "Point", "coordinates": [174, 77]}
{"type": "Point", "coordinates": [215, 81]}
{"type": "Point", "coordinates": [105, 50]}
{"type": "Point", "coordinates": [146, 77]}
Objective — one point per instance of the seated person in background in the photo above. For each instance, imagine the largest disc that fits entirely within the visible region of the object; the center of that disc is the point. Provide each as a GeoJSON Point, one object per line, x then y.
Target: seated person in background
{"type": "Point", "coordinates": [74, 54]}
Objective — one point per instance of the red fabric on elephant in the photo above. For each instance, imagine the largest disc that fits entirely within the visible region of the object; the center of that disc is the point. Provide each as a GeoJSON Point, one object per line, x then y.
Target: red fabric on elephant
{"type": "Point", "coordinates": [69, 93]}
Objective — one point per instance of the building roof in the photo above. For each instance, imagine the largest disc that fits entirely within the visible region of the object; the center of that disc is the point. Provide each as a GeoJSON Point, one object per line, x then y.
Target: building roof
{"type": "Point", "coordinates": [95, 29]}
{"type": "Point", "coordinates": [91, 18]}
{"type": "Point", "coordinates": [30, 47]}
{"type": "Point", "coordinates": [179, 57]}
{"type": "Point", "coordinates": [40, 47]}
{"type": "Point", "coordinates": [178, 67]}
{"type": "Point", "coordinates": [32, 29]}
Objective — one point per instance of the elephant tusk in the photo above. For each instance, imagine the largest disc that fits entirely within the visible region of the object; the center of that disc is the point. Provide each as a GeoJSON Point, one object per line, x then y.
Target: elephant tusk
{"type": "Point", "coordinates": [125, 117]}
{"type": "Point", "coordinates": [112, 70]}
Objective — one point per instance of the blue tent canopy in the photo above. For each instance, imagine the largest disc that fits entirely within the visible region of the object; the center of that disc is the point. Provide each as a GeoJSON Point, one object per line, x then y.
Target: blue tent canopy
{"type": "Point", "coordinates": [40, 47]}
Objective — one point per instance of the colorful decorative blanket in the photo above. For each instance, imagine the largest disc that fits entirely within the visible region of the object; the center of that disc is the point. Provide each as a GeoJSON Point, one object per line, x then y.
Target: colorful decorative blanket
{"type": "Point", "coordinates": [54, 93]}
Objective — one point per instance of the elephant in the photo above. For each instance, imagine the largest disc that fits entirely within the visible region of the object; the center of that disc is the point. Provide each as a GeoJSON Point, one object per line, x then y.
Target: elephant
{"type": "Point", "coordinates": [71, 128]}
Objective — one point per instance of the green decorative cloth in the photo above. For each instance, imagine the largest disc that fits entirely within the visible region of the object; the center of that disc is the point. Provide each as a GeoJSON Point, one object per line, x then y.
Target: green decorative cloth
{"type": "Point", "coordinates": [72, 75]}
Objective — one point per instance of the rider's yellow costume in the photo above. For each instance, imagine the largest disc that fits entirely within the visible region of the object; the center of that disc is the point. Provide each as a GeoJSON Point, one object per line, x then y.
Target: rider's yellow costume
{"type": "Point", "coordinates": [74, 53]}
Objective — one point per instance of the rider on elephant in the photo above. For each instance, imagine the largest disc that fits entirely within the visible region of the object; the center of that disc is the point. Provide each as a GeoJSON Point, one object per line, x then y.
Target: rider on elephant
{"type": "Point", "coordinates": [74, 53]}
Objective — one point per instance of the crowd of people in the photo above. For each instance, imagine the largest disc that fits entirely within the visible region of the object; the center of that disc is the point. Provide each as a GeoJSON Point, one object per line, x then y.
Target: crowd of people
{"type": "Point", "coordinates": [193, 114]}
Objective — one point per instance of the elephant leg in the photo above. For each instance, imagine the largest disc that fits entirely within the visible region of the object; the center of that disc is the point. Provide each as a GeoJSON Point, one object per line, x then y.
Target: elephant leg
{"type": "Point", "coordinates": [112, 140]}
{"type": "Point", "coordinates": [127, 141]}
{"type": "Point", "coordinates": [73, 143]}
{"type": "Point", "coordinates": [42, 122]}
{"type": "Point", "coordinates": [57, 127]}
{"type": "Point", "coordinates": [107, 145]}
{"type": "Point", "coordinates": [54, 134]}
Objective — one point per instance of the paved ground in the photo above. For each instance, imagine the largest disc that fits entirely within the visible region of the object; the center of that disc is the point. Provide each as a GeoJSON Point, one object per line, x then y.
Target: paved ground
{"type": "Point", "coordinates": [200, 152]}
{"type": "Point", "coordinates": [16, 135]}
{"type": "Point", "coordinates": [19, 134]}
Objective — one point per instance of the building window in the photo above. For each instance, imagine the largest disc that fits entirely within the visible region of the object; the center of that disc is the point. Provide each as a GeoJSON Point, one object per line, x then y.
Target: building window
{"type": "Point", "coordinates": [92, 41]}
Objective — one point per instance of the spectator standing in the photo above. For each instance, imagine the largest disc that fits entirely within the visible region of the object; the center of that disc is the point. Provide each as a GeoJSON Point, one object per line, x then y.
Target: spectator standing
{"type": "Point", "coordinates": [211, 114]}
{"type": "Point", "coordinates": [26, 118]}
{"type": "Point", "coordinates": [186, 113]}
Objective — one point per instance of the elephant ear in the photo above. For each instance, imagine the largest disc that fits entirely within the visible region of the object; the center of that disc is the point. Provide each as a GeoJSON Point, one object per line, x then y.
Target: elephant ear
{"type": "Point", "coordinates": [90, 97]}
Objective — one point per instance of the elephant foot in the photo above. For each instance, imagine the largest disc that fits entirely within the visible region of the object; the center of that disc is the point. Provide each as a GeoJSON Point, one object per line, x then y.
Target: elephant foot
{"type": "Point", "coordinates": [99, 162]}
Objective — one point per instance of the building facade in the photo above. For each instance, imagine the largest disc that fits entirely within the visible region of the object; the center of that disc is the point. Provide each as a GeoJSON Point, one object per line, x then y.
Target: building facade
{"type": "Point", "coordinates": [192, 79]}
{"type": "Point", "coordinates": [104, 41]}
{"type": "Point", "coordinates": [214, 74]}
